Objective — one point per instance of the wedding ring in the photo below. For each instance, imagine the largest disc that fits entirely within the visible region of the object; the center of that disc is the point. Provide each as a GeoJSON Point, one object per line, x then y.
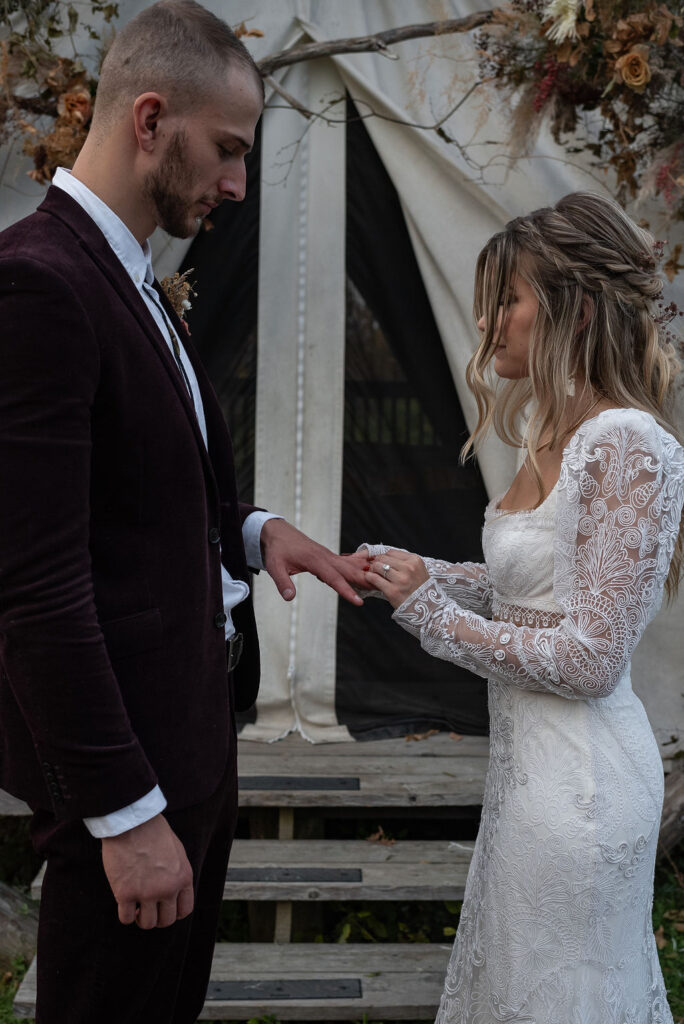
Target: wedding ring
{"type": "Point", "coordinates": [385, 569]}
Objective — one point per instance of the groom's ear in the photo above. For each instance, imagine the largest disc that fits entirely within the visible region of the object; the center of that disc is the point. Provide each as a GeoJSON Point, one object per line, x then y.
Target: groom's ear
{"type": "Point", "coordinates": [148, 110]}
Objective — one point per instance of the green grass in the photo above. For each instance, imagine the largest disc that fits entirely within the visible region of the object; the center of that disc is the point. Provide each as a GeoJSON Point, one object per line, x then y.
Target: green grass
{"type": "Point", "coordinates": [9, 983]}
{"type": "Point", "coordinates": [668, 924]}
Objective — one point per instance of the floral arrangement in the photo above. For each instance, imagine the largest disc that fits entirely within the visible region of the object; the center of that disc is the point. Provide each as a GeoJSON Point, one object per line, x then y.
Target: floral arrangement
{"type": "Point", "coordinates": [179, 290]}
{"type": "Point", "coordinates": [45, 99]}
{"type": "Point", "coordinates": [608, 72]}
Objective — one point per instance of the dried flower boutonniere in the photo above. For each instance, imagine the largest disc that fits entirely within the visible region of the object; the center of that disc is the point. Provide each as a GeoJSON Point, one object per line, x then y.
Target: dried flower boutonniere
{"type": "Point", "coordinates": [178, 291]}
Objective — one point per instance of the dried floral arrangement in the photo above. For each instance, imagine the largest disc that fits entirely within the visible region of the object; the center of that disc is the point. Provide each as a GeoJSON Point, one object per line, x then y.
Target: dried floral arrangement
{"type": "Point", "coordinates": [179, 290]}
{"type": "Point", "coordinates": [623, 60]}
{"type": "Point", "coordinates": [46, 99]}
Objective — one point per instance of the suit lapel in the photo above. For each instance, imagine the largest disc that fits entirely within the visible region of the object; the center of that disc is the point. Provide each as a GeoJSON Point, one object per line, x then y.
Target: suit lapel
{"type": "Point", "coordinates": [212, 412]}
{"type": "Point", "coordinates": [93, 242]}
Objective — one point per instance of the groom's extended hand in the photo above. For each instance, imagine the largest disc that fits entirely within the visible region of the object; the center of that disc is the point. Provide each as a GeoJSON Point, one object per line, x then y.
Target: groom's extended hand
{"type": "Point", "coordinates": [286, 551]}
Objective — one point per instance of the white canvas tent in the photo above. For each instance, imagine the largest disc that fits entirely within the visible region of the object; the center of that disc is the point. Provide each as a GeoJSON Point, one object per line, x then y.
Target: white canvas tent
{"type": "Point", "coordinates": [450, 207]}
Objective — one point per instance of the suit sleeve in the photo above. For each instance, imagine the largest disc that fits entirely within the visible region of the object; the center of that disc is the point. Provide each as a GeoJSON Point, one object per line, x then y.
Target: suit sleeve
{"type": "Point", "coordinates": [52, 648]}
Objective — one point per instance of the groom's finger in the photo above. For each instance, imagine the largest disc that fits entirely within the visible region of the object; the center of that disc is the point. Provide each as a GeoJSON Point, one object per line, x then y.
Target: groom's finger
{"type": "Point", "coordinates": [186, 902]}
{"type": "Point", "coordinates": [282, 580]}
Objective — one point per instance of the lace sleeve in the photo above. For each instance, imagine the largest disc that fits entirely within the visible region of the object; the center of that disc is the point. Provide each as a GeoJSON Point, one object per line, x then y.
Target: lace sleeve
{"type": "Point", "coordinates": [620, 497]}
{"type": "Point", "coordinates": [464, 582]}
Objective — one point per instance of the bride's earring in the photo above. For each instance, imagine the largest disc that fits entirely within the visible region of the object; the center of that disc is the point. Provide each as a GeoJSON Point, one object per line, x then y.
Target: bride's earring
{"type": "Point", "coordinates": [570, 386]}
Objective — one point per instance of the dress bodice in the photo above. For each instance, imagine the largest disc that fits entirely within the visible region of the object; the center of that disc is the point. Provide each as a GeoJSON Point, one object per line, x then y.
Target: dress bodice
{"type": "Point", "coordinates": [518, 550]}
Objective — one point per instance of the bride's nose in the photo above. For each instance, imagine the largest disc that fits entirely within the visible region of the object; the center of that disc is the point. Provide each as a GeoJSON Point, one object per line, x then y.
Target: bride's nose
{"type": "Point", "coordinates": [481, 323]}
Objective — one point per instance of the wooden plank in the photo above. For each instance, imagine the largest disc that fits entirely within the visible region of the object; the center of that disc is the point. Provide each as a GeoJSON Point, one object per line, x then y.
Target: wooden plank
{"type": "Point", "coordinates": [385, 775]}
{"type": "Point", "coordinates": [24, 1004]}
{"type": "Point", "coordinates": [11, 806]}
{"type": "Point", "coordinates": [407, 870]}
{"type": "Point", "coordinates": [340, 852]}
{"type": "Point", "coordinates": [410, 870]}
{"type": "Point", "coordinates": [328, 766]}
{"type": "Point", "coordinates": [397, 981]}
{"type": "Point", "coordinates": [435, 772]}
{"type": "Point", "coordinates": [443, 790]}
{"type": "Point", "coordinates": [439, 745]}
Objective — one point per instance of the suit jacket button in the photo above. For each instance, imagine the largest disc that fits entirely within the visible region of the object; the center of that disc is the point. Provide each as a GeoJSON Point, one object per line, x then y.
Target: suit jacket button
{"type": "Point", "coordinates": [214, 535]}
{"type": "Point", "coordinates": [220, 620]}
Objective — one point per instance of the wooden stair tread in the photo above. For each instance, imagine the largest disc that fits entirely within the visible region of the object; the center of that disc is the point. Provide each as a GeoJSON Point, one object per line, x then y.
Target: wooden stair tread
{"type": "Point", "coordinates": [332, 869]}
{"type": "Point", "coordinates": [346, 870]}
{"type": "Point", "coordinates": [399, 981]}
{"type": "Point", "coordinates": [435, 772]}
{"type": "Point", "coordinates": [10, 806]}
{"type": "Point", "coordinates": [440, 744]}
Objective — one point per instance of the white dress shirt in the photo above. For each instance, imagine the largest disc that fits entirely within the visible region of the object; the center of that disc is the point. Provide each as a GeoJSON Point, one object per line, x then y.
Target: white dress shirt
{"type": "Point", "coordinates": [137, 262]}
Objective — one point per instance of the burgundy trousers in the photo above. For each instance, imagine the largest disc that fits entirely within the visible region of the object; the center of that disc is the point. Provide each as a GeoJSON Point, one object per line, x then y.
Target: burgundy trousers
{"type": "Point", "coordinates": [94, 970]}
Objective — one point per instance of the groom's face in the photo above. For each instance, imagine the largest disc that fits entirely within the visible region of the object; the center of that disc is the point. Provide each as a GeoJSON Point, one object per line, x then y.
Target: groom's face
{"type": "Point", "coordinates": [203, 162]}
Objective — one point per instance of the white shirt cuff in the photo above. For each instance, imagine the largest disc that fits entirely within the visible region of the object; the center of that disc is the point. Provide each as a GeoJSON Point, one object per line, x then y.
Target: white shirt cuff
{"type": "Point", "coordinates": [109, 825]}
{"type": "Point", "coordinates": [251, 535]}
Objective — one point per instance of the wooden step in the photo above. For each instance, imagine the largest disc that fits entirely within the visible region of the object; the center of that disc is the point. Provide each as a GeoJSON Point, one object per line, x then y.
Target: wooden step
{"type": "Point", "coordinates": [331, 869]}
{"type": "Point", "coordinates": [325, 869]}
{"type": "Point", "coordinates": [10, 806]}
{"type": "Point", "coordinates": [438, 771]}
{"type": "Point", "coordinates": [313, 982]}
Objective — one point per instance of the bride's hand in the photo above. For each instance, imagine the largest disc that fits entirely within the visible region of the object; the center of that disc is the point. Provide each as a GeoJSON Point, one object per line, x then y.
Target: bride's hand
{"type": "Point", "coordinates": [396, 574]}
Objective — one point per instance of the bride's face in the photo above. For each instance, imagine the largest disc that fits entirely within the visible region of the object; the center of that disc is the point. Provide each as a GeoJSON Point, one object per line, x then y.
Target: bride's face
{"type": "Point", "coordinates": [512, 338]}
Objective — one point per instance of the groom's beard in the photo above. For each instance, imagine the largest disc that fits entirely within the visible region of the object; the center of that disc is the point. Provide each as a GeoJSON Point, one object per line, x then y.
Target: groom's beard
{"type": "Point", "coordinates": [169, 189]}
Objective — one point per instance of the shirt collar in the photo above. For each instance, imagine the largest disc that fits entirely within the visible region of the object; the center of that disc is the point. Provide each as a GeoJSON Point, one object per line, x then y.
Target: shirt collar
{"type": "Point", "coordinates": [136, 259]}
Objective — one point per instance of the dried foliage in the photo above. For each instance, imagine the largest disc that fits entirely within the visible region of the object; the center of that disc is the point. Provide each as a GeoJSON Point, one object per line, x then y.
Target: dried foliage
{"type": "Point", "coordinates": [46, 99]}
{"type": "Point", "coordinates": [623, 60]}
{"type": "Point", "coordinates": [179, 290]}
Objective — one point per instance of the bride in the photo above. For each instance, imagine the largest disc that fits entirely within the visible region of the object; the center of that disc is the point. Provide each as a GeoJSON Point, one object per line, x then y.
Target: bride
{"type": "Point", "coordinates": [556, 920]}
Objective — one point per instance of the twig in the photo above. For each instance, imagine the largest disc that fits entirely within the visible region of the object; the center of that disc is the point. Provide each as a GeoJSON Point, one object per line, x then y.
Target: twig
{"type": "Point", "coordinates": [372, 44]}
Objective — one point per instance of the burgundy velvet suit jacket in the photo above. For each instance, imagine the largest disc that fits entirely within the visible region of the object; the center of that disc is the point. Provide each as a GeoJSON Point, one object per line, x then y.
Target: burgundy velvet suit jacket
{"type": "Point", "coordinates": [112, 650]}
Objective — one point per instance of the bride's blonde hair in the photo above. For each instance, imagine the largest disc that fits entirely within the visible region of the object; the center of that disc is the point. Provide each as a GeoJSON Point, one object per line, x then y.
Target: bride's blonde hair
{"type": "Point", "coordinates": [594, 273]}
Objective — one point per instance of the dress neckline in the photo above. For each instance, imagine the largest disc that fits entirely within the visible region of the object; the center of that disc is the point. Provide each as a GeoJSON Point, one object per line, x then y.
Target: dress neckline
{"type": "Point", "coordinates": [494, 510]}
{"type": "Point", "coordinates": [493, 506]}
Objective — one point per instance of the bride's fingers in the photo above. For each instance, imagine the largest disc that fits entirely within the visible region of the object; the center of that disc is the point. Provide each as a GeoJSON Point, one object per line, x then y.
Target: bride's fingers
{"type": "Point", "coordinates": [397, 556]}
{"type": "Point", "coordinates": [376, 581]}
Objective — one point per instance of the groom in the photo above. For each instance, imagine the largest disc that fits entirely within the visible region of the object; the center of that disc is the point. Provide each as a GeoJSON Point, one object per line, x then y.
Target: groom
{"type": "Point", "coordinates": [127, 636]}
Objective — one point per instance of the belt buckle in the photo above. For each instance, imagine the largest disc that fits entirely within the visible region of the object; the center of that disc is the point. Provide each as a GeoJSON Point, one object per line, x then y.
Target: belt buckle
{"type": "Point", "coordinates": [235, 646]}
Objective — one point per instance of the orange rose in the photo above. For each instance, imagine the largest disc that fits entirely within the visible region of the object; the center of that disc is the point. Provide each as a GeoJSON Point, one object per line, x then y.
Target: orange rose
{"type": "Point", "coordinates": [74, 107]}
{"type": "Point", "coordinates": [633, 68]}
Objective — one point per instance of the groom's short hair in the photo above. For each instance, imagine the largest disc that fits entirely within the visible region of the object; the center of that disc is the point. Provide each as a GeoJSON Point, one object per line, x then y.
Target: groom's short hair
{"type": "Point", "coordinates": [174, 47]}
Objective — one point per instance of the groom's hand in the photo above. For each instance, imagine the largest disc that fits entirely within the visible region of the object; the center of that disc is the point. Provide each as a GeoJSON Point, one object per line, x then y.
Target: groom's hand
{"type": "Point", "coordinates": [149, 874]}
{"type": "Point", "coordinates": [286, 551]}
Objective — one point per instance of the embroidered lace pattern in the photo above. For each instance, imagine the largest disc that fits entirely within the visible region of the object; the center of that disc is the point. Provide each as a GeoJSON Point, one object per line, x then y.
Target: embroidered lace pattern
{"type": "Point", "coordinates": [555, 926]}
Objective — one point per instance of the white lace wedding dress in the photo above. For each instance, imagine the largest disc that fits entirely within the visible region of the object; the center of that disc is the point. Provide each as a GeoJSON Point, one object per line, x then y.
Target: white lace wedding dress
{"type": "Point", "coordinates": [556, 921]}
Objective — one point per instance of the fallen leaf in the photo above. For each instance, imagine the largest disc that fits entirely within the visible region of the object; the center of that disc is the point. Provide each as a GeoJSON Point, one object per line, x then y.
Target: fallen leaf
{"type": "Point", "coordinates": [661, 941]}
{"type": "Point", "coordinates": [412, 736]}
{"type": "Point", "coordinates": [380, 837]}
{"type": "Point", "coordinates": [455, 736]}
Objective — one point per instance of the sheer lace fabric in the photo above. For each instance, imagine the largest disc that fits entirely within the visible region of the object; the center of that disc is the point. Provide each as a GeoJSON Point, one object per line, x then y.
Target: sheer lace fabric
{"type": "Point", "coordinates": [556, 921]}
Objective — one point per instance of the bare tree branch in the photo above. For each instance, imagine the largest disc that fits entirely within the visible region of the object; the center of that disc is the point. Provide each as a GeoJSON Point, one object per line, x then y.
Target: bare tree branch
{"type": "Point", "coordinates": [372, 44]}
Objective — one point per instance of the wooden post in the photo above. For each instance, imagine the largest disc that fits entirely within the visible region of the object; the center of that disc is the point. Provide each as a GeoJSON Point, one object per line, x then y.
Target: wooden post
{"type": "Point", "coordinates": [672, 821]}
{"type": "Point", "coordinates": [283, 915]}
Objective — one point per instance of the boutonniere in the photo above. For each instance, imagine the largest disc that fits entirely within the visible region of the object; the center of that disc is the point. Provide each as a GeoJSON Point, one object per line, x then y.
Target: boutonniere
{"type": "Point", "coordinates": [178, 290]}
